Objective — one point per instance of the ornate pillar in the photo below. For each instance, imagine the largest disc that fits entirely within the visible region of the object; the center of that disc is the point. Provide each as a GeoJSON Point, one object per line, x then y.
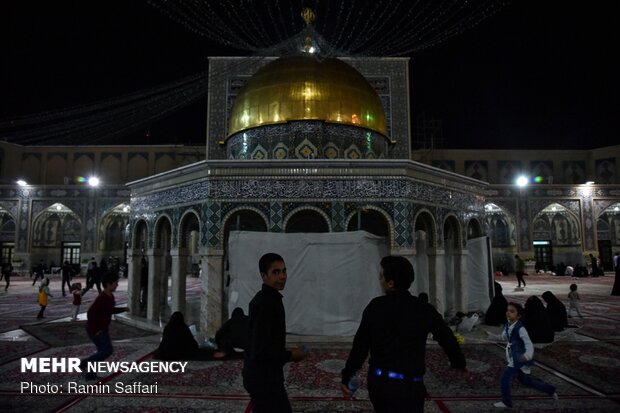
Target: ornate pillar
{"type": "Point", "coordinates": [154, 288]}
{"type": "Point", "coordinates": [133, 280]}
{"type": "Point", "coordinates": [211, 299]}
{"type": "Point", "coordinates": [179, 273]}
{"type": "Point", "coordinates": [437, 279]}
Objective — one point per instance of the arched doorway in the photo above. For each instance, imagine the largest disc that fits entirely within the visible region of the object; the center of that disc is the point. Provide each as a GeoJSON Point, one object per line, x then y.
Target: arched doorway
{"type": "Point", "coordinates": [112, 236]}
{"type": "Point", "coordinates": [7, 237]}
{"type": "Point", "coordinates": [239, 220]}
{"type": "Point", "coordinates": [56, 237]}
{"type": "Point", "coordinates": [501, 229]}
{"type": "Point", "coordinates": [556, 237]}
{"type": "Point", "coordinates": [474, 229]}
{"type": "Point", "coordinates": [186, 283]}
{"type": "Point", "coordinates": [306, 220]}
{"type": "Point", "coordinates": [608, 235]}
{"type": "Point", "coordinates": [369, 220]}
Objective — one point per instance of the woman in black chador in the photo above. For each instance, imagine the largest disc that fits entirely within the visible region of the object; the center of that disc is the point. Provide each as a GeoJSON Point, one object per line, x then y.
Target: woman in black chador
{"type": "Point", "coordinates": [496, 313]}
{"type": "Point", "coordinates": [556, 310]}
{"type": "Point", "coordinates": [177, 342]}
{"type": "Point", "coordinates": [537, 322]}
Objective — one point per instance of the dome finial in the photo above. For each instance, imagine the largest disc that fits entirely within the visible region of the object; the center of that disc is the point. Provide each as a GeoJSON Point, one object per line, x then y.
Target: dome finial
{"type": "Point", "coordinates": [308, 15]}
{"type": "Point", "coordinates": [309, 43]}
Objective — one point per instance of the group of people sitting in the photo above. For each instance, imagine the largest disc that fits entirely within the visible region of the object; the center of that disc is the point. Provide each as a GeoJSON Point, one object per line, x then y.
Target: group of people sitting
{"type": "Point", "coordinates": [541, 322]}
{"type": "Point", "coordinates": [178, 342]}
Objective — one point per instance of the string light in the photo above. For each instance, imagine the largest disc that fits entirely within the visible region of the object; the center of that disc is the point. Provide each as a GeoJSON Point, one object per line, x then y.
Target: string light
{"type": "Point", "coordinates": [263, 28]}
{"type": "Point", "coordinates": [357, 27]}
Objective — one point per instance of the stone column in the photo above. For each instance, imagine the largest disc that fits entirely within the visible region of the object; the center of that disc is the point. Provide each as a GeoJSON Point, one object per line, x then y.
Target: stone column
{"type": "Point", "coordinates": [437, 279]}
{"type": "Point", "coordinates": [179, 273]}
{"type": "Point", "coordinates": [211, 299]}
{"type": "Point", "coordinates": [133, 280]}
{"type": "Point", "coordinates": [154, 288]}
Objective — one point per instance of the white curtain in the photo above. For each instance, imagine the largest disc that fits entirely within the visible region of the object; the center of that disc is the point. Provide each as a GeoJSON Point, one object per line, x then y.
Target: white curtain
{"type": "Point", "coordinates": [480, 274]}
{"type": "Point", "coordinates": [331, 276]}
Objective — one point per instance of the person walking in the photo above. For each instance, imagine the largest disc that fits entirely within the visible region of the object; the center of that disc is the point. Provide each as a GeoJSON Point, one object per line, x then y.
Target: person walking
{"type": "Point", "coordinates": [520, 357]}
{"type": "Point", "coordinates": [66, 272]}
{"type": "Point", "coordinates": [394, 329]}
{"type": "Point", "coordinates": [573, 301]}
{"type": "Point", "coordinates": [76, 291]}
{"type": "Point", "coordinates": [519, 270]}
{"type": "Point", "coordinates": [99, 316]}
{"type": "Point", "coordinates": [7, 272]}
{"type": "Point", "coordinates": [42, 297]}
{"type": "Point", "coordinates": [39, 272]}
{"type": "Point", "coordinates": [266, 355]}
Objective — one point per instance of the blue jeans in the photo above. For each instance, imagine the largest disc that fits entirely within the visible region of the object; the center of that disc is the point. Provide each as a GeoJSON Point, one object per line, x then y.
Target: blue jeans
{"type": "Point", "coordinates": [526, 379]}
{"type": "Point", "coordinates": [104, 347]}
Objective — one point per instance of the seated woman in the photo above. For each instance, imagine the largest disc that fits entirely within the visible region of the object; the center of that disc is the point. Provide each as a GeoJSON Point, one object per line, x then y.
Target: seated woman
{"type": "Point", "coordinates": [496, 313]}
{"type": "Point", "coordinates": [177, 342]}
{"type": "Point", "coordinates": [556, 310]}
{"type": "Point", "coordinates": [232, 335]}
{"type": "Point", "coordinates": [537, 322]}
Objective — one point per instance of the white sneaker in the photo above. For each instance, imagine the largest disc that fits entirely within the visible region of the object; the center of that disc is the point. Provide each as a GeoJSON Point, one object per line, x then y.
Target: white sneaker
{"type": "Point", "coordinates": [555, 396]}
{"type": "Point", "coordinates": [500, 405]}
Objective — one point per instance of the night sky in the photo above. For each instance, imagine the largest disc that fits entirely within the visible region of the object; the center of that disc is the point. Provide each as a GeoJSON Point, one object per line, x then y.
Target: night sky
{"type": "Point", "coordinates": [536, 75]}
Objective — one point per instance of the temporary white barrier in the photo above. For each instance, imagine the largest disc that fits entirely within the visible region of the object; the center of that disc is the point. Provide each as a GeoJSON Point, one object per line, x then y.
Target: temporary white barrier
{"type": "Point", "coordinates": [331, 276]}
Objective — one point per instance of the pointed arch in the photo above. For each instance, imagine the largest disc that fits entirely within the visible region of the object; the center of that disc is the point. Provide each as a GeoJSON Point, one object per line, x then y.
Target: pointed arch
{"type": "Point", "coordinates": [307, 219]}
{"type": "Point", "coordinates": [371, 219]}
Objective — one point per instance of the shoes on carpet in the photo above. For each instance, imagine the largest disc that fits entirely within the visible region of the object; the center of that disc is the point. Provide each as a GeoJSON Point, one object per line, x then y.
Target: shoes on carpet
{"type": "Point", "coordinates": [555, 396]}
{"type": "Point", "coordinates": [501, 405]}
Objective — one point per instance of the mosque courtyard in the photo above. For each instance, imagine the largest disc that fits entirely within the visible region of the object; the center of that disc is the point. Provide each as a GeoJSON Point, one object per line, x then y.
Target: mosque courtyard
{"type": "Point", "coordinates": [583, 362]}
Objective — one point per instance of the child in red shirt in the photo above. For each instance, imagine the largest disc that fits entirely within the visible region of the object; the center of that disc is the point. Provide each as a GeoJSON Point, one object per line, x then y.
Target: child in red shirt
{"type": "Point", "coordinates": [76, 290]}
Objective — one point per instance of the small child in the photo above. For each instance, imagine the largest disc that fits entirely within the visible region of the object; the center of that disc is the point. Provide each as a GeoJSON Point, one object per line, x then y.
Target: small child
{"type": "Point", "coordinates": [76, 290]}
{"type": "Point", "coordinates": [42, 297]}
{"type": "Point", "coordinates": [573, 296]}
{"type": "Point", "coordinates": [519, 354]}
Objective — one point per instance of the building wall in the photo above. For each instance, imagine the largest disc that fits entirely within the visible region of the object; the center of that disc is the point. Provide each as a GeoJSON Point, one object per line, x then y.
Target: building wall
{"type": "Point", "coordinates": [600, 165]}
{"type": "Point", "coordinates": [114, 165]}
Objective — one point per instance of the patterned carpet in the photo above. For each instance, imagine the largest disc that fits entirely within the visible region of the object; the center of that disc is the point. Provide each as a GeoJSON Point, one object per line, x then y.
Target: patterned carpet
{"type": "Point", "coordinates": [580, 363]}
{"type": "Point", "coordinates": [74, 332]}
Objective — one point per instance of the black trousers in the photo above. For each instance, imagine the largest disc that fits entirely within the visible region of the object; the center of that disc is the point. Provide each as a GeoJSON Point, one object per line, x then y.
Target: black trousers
{"type": "Point", "coordinates": [272, 401]}
{"type": "Point", "coordinates": [520, 278]}
{"type": "Point", "coordinates": [396, 396]}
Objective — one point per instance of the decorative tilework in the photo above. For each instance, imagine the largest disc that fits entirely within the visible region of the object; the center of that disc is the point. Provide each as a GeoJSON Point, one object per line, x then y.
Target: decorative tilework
{"type": "Point", "coordinates": [352, 152]}
{"type": "Point", "coordinates": [306, 150]}
{"type": "Point", "coordinates": [213, 223]}
{"type": "Point", "coordinates": [402, 224]}
{"type": "Point", "coordinates": [259, 153]}
{"type": "Point", "coordinates": [280, 151]}
{"type": "Point", "coordinates": [330, 151]}
{"type": "Point", "coordinates": [338, 217]}
{"type": "Point", "coordinates": [303, 140]}
{"type": "Point", "coordinates": [276, 224]}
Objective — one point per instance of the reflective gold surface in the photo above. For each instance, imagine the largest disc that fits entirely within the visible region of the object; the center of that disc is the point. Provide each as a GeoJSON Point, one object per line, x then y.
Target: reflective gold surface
{"type": "Point", "coordinates": [303, 88]}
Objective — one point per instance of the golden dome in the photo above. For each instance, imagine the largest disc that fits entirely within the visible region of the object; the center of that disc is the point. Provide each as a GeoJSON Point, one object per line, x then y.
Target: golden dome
{"type": "Point", "coordinates": [304, 88]}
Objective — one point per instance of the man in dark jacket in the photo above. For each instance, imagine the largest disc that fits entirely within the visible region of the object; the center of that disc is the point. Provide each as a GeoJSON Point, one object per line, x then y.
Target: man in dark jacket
{"type": "Point", "coordinates": [266, 354]}
{"type": "Point", "coordinates": [394, 329]}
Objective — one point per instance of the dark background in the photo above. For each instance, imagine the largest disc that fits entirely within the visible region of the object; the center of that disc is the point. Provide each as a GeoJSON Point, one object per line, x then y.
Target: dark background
{"type": "Point", "coordinates": [536, 75]}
